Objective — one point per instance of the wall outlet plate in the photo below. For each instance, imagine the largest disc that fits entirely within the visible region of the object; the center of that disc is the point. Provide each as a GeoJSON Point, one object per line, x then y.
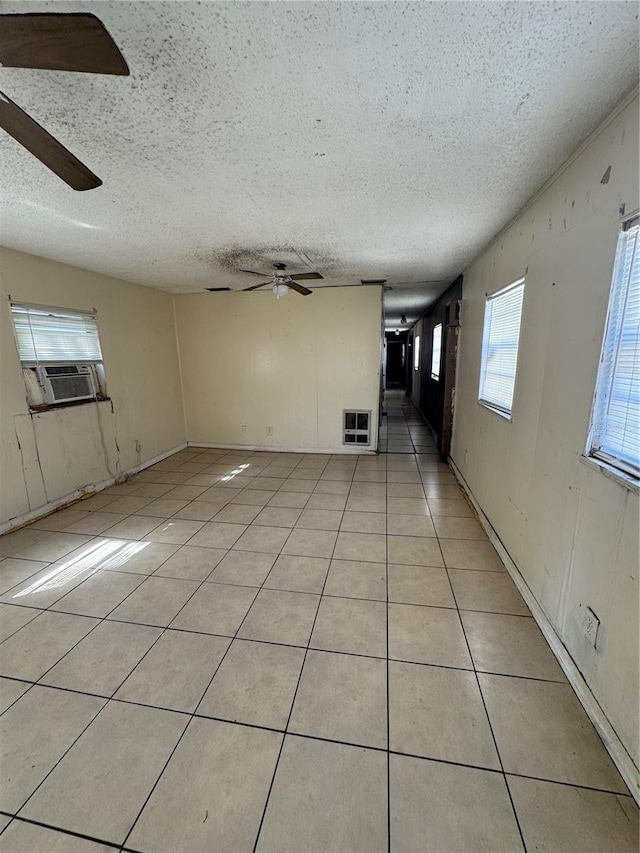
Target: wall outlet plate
{"type": "Point", "coordinates": [590, 625]}
{"type": "Point", "coordinates": [269, 430]}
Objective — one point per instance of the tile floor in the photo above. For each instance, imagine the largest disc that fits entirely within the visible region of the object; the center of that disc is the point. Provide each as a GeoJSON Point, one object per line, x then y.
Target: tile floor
{"type": "Point", "coordinates": [237, 651]}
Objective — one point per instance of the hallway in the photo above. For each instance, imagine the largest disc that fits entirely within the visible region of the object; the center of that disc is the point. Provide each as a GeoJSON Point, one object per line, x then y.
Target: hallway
{"type": "Point", "coordinates": [403, 429]}
{"type": "Point", "coordinates": [287, 652]}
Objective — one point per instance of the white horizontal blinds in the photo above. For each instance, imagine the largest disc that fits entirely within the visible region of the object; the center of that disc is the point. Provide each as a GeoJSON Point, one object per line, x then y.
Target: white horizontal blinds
{"type": "Point", "coordinates": [436, 351]}
{"type": "Point", "coordinates": [616, 417]}
{"type": "Point", "coordinates": [501, 337]}
{"type": "Point", "coordinates": [54, 334]}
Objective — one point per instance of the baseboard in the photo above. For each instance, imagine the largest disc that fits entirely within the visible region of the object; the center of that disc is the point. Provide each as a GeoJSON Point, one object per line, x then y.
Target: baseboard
{"type": "Point", "coordinates": [71, 498]}
{"type": "Point", "coordinates": [335, 451]}
{"type": "Point", "coordinates": [596, 714]}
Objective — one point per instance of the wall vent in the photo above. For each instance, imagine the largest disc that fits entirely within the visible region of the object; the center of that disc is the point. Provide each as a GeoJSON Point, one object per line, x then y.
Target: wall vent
{"type": "Point", "coordinates": [356, 427]}
{"type": "Point", "coordinates": [217, 289]}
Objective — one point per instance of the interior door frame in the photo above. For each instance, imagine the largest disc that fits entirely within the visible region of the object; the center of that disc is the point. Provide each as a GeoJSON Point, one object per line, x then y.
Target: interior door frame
{"type": "Point", "coordinates": [452, 327]}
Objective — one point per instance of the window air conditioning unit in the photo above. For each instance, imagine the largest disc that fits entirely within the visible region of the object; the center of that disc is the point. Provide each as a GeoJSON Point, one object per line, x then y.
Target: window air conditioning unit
{"type": "Point", "coordinates": [65, 383]}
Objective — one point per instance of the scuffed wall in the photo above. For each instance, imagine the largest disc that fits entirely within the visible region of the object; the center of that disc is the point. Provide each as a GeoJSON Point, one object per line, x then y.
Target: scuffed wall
{"type": "Point", "coordinates": [571, 530]}
{"type": "Point", "coordinates": [46, 456]}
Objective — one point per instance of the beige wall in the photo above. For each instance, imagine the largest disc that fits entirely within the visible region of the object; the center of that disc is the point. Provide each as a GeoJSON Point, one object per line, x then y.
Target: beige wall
{"type": "Point", "coordinates": [46, 456]}
{"type": "Point", "coordinates": [292, 364]}
{"type": "Point", "coordinates": [570, 529]}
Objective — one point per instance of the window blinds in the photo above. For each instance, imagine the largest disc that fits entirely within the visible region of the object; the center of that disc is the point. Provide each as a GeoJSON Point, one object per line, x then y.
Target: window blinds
{"type": "Point", "coordinates": [54, 334]}
{"type": "Point", "coordinates": [615, 434]}
{"type": "Point", "coordinates": [500, 340]}
{"type": "Point", "coordinates": [436, 351]}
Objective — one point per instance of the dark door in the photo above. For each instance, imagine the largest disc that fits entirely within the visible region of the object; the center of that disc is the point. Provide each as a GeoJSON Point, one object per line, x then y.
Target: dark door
{"type": "Point", "coordinates": [452, 330]}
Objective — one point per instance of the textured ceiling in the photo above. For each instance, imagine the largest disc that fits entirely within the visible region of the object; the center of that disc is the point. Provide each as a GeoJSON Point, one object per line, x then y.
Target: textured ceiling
{"type": "Point", "coordinates": [362, 140]}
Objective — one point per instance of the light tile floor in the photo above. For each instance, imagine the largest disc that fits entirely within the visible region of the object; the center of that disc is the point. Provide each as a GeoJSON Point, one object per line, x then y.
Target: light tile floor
{"type": "Point", "coordinates": [287, 652]}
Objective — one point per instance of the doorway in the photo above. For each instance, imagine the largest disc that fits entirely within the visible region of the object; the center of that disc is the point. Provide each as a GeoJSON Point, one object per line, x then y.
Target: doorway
{"type": "Point", "coordinates": [396, 360]}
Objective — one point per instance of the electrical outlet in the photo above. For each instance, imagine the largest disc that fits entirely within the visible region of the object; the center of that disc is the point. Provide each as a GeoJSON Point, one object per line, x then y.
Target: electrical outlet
{"type": "Point", "coordinates": [243, 428]}
{"type": "Point", "coordinates": [269, 430]}
{"type": "Point", "coordinates": [590, 625]}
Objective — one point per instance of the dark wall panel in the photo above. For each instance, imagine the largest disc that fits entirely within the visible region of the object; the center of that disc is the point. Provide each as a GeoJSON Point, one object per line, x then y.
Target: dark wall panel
{"type": "Point", "coordinates": [432, 391]}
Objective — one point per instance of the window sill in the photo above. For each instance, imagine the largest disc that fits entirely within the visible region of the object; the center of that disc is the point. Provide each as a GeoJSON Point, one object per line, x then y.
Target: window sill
{"type": "Point", "coordinates": [504, 415]}
{"type": "Point", "coordinates": [36, 410]}
{"type": "Point", "coordinates": [627, 481]}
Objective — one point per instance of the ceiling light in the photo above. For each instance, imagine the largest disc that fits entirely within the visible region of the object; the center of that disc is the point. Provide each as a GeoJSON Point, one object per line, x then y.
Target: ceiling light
{"type": "Point", "coordinates": [397, 331]}
{"type": "Point", "coordinates": [280, 290]}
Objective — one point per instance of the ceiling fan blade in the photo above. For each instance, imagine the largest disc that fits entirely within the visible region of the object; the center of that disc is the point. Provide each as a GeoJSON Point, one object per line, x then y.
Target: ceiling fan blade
{"type": "Point", "coordinates": [304, 291]}
{"type": "Point", "coordinates": [45, 147]}
{"type": "Point", "coordinates": [305, 276]}
{"type": "Point", "coordinates": [255, 286]}
{"type": "Point", "coordinates": [251, 272]}
{"type": "Point", "coordinates": [76, 41]}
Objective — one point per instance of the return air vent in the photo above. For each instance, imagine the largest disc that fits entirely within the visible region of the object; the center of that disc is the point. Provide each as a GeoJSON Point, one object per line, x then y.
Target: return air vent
{"type": "Point", "coordinates": [356, 427]}
{"type": "Point", "coordinates": [217, 289]}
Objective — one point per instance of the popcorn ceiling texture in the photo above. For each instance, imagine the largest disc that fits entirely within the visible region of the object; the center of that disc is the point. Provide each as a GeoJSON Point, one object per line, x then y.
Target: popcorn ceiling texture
{"type": "Point", "coordinates": [363, 140]}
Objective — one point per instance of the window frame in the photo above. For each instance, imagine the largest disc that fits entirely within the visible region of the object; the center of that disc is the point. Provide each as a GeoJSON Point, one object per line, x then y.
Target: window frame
{"type": "Point", "coordinates": [34, 364]}
{"type": "Point", "coordinates": [436, 376]}
{"type": "Point", "coordinates": [493, 406]}
{"type": "Point", "coordinates": [619, 468]}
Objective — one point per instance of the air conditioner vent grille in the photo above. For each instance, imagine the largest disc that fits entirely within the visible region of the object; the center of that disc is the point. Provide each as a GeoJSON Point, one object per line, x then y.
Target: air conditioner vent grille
{"type": "Point", "coordinates": [69, 387]}
{"type": "Point", "coordinates": [356, 427]}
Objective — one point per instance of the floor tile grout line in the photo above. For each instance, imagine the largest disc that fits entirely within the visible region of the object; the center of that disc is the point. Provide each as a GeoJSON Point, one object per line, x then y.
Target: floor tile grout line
{"type": "Point", "coordinates": [268, 643]}
{"type": "Point", "coordinates": [486, 711]}
{"type": "Point", "coordinates": [295, 693]}
{"type": "Point", "coordinates": [154, 573]}
{"type": "Point", "coordinates": [308, 645]}
{"type": "Point", "coordinates": [194, 713]}
{"type": "Point", "coordinates": [104, 619]}
{"type": "Point", "coordinates": [386, 539]}
{"type": "Point", "coordinates": [33, 822]}
{"type": "Point", "coordinates": [108, 699]}
{"type": "Point", "coordinates": [359, 745]}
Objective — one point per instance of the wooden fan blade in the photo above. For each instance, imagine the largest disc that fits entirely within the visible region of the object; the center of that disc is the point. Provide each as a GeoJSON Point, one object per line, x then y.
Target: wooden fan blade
{"type": "Point", "coordinates": [303, 291]}
{"type": "Point", "coordinates": [252, 272]}
{"type": "Point", "coordinates": [77, 41]}
{"type": "Point", "coordinates": [255, 286]}
{"type": "Point", "coordinates": [45, 147]}
{"type": "Point", "coordinates": [305, 276]}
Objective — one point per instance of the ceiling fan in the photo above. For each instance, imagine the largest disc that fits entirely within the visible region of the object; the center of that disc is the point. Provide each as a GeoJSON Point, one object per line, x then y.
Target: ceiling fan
{"type": "Point", "coordinates": [55, 42]}
{"type": "Point", "coordinates": [282, 282]}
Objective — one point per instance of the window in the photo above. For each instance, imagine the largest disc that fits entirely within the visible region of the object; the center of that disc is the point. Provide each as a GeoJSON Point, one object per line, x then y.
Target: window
{"type": "Point", "coordinates": [60, 355]}
{"type": "Point", "coordinates": [416, 353]}
{"type": "Point", "coordinates": [436, 351]}
{"type": "Point", "coordinates": [614, 436]}
{"type": "Point", "coordinates": [500, 339]}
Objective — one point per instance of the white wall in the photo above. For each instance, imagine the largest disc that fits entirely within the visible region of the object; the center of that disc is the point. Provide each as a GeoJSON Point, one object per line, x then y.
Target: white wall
{"type": "Point", "coordinates": [570, 529]}
{"type": "Point", "coordinates": [292, 364]}
{"type": "Point", "coordinates": [46, 456]}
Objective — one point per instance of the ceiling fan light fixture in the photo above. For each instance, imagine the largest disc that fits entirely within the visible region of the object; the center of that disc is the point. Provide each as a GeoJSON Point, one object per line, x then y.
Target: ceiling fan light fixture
{"type": "Point", "coordinates": [280, 289]}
